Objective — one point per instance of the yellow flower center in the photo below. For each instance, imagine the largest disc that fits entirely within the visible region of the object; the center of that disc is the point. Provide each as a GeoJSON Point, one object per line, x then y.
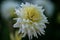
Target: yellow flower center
{"type": "Point", "coordinates": [31, 13]}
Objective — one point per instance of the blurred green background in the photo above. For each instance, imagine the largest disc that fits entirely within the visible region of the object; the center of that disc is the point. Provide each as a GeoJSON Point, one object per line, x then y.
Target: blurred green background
{"type": "Point", "coordinates": [52, 30]}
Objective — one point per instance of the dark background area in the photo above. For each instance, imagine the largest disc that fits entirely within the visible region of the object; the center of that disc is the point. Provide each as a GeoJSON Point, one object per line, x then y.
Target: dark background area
{"type": "Point", "coordinates": [52, 30]}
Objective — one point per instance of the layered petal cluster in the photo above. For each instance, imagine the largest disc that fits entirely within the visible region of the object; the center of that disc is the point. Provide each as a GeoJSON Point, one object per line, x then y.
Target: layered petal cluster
{"type": "Point", "coordinates": [31, 20]}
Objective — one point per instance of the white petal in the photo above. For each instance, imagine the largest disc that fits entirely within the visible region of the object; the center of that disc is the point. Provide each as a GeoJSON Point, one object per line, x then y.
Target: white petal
{"type": "Point", "coordinates": [16, 25]}
{"type": "Point", "coordinates": [17, 12]}
{"type": "Point", "coordinates": [20, 30]}
{"type": "Point", "coordinates": [42, 25]}
{"type": "Point", "coordinates": [29, 34]}
{"type": "Point", "coordinates": [38, 32]}
{"type": "Point", "coordinates": [27, 4]}
{"type": "Point", "coordinates": [23, 28]}
{"type": "Point", "coordinates": [42, 31]}
{"type": "Point", "coordinates": [39, 28]}
{"type": "Point", "coordinates": [24, 34]}
{"type": "Point", "coordinates": [43, 10]}
{"type": "Point", "coordinates": [19, 20]}
{"type": "Point", "coordinates": [34, 32]}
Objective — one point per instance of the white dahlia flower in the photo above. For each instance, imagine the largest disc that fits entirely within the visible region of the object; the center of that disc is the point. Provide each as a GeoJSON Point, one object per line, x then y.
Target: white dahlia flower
{"type": "Point", "coordinates": [31, 20]}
